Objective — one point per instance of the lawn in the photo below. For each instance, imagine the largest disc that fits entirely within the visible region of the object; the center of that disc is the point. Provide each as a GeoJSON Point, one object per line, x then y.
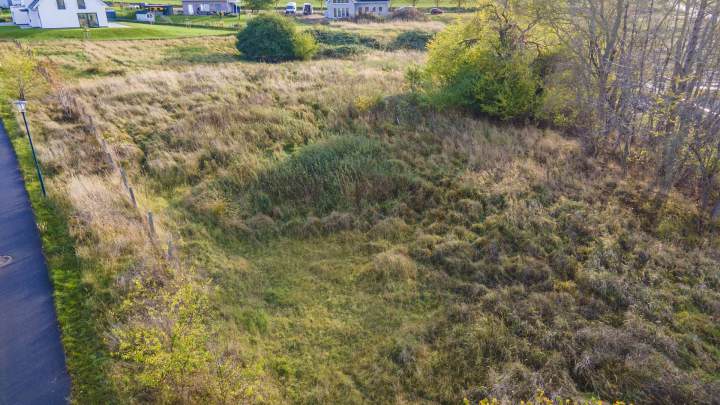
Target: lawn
{"type": "Point", "coordinates": [208, 20]}
{"type": "Point", "coordinates": [132, 32]}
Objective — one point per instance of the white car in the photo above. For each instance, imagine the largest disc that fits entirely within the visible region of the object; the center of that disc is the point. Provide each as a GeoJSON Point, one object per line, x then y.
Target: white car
{"type": "Point", "coordinates": [290, 9]}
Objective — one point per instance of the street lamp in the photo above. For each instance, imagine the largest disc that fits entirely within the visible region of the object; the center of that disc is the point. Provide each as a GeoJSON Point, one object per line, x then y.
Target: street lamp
{"type": "Point", "coordinates": [21, 106]}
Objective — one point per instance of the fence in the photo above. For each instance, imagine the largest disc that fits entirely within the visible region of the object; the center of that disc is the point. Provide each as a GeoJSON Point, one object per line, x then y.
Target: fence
{"type": "Point", "coordinates": [148, 217]}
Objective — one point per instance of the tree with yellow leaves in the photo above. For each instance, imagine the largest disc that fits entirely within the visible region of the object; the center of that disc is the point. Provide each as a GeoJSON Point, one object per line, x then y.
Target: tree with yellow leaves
{"type": "Point", "coordinates": [20, 72]}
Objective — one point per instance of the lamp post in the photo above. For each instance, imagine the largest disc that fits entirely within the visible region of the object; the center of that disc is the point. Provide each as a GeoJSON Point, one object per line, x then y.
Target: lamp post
{"type": "Point", "coordinates": [21, 106]}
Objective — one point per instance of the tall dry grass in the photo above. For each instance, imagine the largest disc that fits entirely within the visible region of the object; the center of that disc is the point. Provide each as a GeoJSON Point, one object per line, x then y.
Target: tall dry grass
{"type": "Point", "coordinates": [168, 129]}
{"type": "Point", "coordinates": [494, 270]}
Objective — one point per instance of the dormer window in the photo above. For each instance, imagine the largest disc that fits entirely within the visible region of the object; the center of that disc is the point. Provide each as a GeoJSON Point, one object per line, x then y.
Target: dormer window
{"type": "Point", "coordinates": [81, 4]}
{"type": "Point", "coordinates": [60, 4]}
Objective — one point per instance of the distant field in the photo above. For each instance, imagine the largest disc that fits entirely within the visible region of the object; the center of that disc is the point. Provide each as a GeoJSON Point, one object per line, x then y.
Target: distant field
{"type": "Point", "coordinates": [133, 31]}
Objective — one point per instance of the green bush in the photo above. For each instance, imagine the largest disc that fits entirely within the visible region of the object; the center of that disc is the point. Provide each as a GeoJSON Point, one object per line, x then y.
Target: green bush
{"type": "Point", "coordinates": [271, 38]}
{"type": "Point", "coordinates": [341, 51]}
{"type": "Point", "coordinates": [329, 37]}
{"type": "Point", "coordinates": [416, 40]}
{"type": "Point", "coordinates": [470, 66]}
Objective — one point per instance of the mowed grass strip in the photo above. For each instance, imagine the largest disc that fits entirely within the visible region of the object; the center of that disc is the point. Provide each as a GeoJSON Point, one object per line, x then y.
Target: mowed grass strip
{"type": "Point", "coordinates": [132, 31]}
{"type": "Point", "coordinates": [86, 356]}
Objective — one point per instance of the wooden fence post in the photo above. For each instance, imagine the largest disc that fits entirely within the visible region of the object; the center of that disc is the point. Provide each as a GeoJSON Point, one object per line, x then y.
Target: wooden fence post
{"type": "Point", "coordinates": [170, 249]}
{"type": "Point", "coordinates": [151, 224]}
{"type": "Point", "coordinates": [124, 177]}
{"type": "Point", "coordinates": [132, 197]}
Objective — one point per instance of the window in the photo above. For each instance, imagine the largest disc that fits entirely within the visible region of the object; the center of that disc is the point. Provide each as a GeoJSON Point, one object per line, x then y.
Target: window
{"type": "Point", "coordinates": [88, 20]}
{"type": "Point", "coordinates": [374, 9]}
{"type": "Point", "coordinates": [380, 9]}
{"type": "Point", "coordinates": [335, 12]}
{"type": "Point", "coordinates": [81, 4]}
{"type": "Point", "coordinates": [60, 4]}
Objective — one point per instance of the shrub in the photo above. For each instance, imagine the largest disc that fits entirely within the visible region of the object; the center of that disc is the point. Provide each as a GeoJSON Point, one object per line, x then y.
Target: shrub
{"type": "Point", "coordinates": [416, 40]}
{"type": "Point", "coordinates": [337, 38]}
{"type": "Point", "coordinates": [471, 67]}
{"type": "Point", "coordinates": [408, 14]}
{"type": "Point", "coordinates": [305, 46]}
{"type": "Point", "coordinates": [341, 51]}
{"type": "Point", "coordinates": [255, 5]}
{"type": "Point", "coordinates": [271, 38]}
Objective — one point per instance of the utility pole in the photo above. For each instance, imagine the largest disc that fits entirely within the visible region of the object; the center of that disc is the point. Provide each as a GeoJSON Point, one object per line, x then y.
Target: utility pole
{"type": "Point", "coordinates": [21, 106]}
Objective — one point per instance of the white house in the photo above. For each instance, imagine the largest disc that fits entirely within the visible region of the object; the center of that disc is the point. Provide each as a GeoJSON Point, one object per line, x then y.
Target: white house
{"type": "Point", "coordinates": [204, 7]}
{"type": "Point", "coordinates": [59, 13]}
{"type": "Point", "coordinates": [352, 8]}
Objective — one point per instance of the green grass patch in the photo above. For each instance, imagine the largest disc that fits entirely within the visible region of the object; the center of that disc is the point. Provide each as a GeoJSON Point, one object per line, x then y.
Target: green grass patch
{"type": "Point", "coordinates": [338, 173]}
{"type": "Point", "coordinates": [85, 353]}
{"type": "Point", "coordinates": [209, 20]}
{"type": "Point", "coordinates": [312, 311]}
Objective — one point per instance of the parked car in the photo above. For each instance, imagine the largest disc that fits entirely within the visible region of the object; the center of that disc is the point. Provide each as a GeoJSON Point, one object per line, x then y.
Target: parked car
{"type": "Point", "coordinates": [436, 11]}
{"type": "Point", "coordinates": [290, 9]}
{"type": "Point", "coordinates": [307, 9]}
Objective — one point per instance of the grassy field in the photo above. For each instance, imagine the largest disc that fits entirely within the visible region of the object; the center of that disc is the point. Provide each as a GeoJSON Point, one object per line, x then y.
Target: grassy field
{"type": "Point", "coordinates": [133, 31]}
{"type": "Point", "coordinates": [320, 237]}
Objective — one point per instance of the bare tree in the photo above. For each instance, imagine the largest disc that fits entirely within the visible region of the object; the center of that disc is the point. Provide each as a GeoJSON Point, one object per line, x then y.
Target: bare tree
{"type": "Point", "coordinates": [650, 70]}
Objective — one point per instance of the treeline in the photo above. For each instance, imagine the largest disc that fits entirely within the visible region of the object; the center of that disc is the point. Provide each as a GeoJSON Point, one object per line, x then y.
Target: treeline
{"type": "Point", "coordinates": [638, 80]}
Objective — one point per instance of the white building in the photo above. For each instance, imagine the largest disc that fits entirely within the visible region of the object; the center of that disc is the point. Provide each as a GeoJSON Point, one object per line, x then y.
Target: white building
{"type": "Point", "coordinates": [352, 8]}
{"type": "Point", "coordinates": [145, 16]}
{"type": "Point", "coordinates": [59, 13]}
{"type": "Point", "coordinates": [205, 7]}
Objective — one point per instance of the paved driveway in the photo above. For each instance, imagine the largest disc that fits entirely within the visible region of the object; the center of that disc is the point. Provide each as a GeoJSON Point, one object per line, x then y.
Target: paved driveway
{"type": "Point", "coordinates": [32, 361]}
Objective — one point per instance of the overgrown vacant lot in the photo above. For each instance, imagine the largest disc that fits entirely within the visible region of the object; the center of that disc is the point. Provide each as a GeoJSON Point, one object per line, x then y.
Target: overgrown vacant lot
{"type": "Point", "coordinates": [335, 243]}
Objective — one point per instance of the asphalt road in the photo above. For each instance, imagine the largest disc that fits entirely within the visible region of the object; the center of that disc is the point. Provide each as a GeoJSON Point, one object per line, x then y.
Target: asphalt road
{"type": "Point", "coordinates": [32, 361]}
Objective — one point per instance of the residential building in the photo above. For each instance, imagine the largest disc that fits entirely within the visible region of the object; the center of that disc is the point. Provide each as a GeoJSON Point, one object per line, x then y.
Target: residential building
{"type": "Point", "coordinates": [336, 9]}
{"type": "Point", "coordinates": [59, 13]}
{"type": "Point", "coordinates": [204, 7]}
